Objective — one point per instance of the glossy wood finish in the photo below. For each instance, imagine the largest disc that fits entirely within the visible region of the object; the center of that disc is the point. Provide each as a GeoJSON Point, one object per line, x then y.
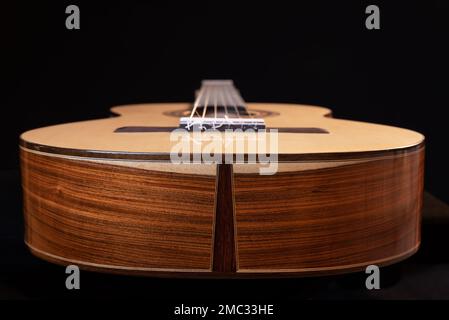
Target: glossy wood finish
{"type": "Point", "coordinates": [309, 219]}
{"type": "Point", "coordinates": [117, 217]}
{"type": "Point", "coordinates": [330, 219]}
{"type": "Point", "coordinates": [97, 138]}
{"type": "Point", "coordinates": [224, 253]}
{"type": "Point", "coordinates": [112, 201]}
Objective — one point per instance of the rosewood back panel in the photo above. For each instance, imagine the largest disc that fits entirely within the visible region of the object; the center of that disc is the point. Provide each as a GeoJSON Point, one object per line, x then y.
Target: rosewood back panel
{"type": "Point", "coordinates": [315, 217]}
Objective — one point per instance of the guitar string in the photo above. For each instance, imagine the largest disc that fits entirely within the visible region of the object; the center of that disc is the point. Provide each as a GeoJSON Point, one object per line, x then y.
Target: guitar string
{"type": "Point", "coordinates": [206, 102]}
{"type": "Point", "coordinates": [226, 97]}
{"type": "Point", "coordinates": [197, 102]}
{"type": "Point", "coordinates": [224, 104]}
{"type": "Point", "coordinates": [215, 102]}
{"type": "Point", "coordinates": [232, 102]}
{"type": "Point", "coordinates": [229, 96]}
{"type": "Point", "coordinates": [219, 93]}
{"type": "Point", "coordinates": [241, 102]}
{"type": "Point", "coordinates": [217, 90]}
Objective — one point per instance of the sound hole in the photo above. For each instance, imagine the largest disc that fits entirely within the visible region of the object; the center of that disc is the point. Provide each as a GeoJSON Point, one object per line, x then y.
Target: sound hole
{"type": "Point", "coordinates": [210, 112]}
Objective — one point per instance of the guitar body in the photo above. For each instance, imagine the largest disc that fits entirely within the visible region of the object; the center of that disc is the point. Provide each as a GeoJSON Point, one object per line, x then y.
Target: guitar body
{"type": "Point", "coordinates": [345, 195]}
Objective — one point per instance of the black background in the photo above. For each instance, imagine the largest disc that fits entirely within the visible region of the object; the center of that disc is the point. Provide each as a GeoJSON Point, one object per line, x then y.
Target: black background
{"type": "Point", "coordinates": [313, 52]}
{"type": "Point", "coordinates": [130, 52]}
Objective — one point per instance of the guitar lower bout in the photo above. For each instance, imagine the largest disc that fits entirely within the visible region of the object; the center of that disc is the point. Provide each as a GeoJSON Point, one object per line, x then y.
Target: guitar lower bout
{"type": "Point", "coordinates": [336, 196]}
{"type": "Point", "coordinates": [195, 220]}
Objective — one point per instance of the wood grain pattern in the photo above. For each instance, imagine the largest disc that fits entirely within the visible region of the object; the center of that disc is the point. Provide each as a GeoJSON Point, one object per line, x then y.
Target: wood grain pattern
{"type": "Point", "coordinates": [112, 201]}
{"type": "Point", "coordinates": [330, 219]}
{"type": "Point", "coordinates": [224, 253]}
{"type": "Point", "coordinates": [315, 220]}
{"type": "Point", "coordinates": [115, 216]}
{"type": "Point", "coordinates": [97, 138]}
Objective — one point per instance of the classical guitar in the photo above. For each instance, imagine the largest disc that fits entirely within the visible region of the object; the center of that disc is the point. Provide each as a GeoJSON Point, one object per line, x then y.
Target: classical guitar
{"type": "Point", "coordinates": [222, 188]}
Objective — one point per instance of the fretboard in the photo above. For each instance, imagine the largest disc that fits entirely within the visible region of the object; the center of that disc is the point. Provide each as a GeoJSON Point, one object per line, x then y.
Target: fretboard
{"type": "Point", "coordinates": [218, 98]}
{"type": "Point", "coordinates": [218, 105]}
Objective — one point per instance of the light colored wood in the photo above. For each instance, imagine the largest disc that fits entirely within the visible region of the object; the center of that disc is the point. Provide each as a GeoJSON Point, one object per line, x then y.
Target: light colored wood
{"type": "Point", "coordinates": [209, 169]}
{"type": "Point", "coordinates": [186, 168]}
{"type": "Point", "coordinates": [296, 166]}
{"type": "Point", "coordinates": [344, 136]}
{"type": "Point", "coordinates": [112, 202]}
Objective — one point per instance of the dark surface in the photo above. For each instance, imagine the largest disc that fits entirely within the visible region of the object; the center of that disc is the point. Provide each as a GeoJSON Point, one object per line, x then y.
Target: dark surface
{"type": "Point", "coordinates": [311, 52]}
{"type": "Point", "coordinates": [169, 129]}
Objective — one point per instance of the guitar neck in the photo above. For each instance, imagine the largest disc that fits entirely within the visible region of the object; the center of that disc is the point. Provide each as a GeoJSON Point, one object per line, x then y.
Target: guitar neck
{"type": "Point", "coordinates": [218, 106]}
{"type": "Point", "coordinates": [217, 98]}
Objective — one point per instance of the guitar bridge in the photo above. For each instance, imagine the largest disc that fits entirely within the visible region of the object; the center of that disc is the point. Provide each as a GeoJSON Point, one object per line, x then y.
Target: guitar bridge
{"type": "Point", "coordinates": [221, 124]}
